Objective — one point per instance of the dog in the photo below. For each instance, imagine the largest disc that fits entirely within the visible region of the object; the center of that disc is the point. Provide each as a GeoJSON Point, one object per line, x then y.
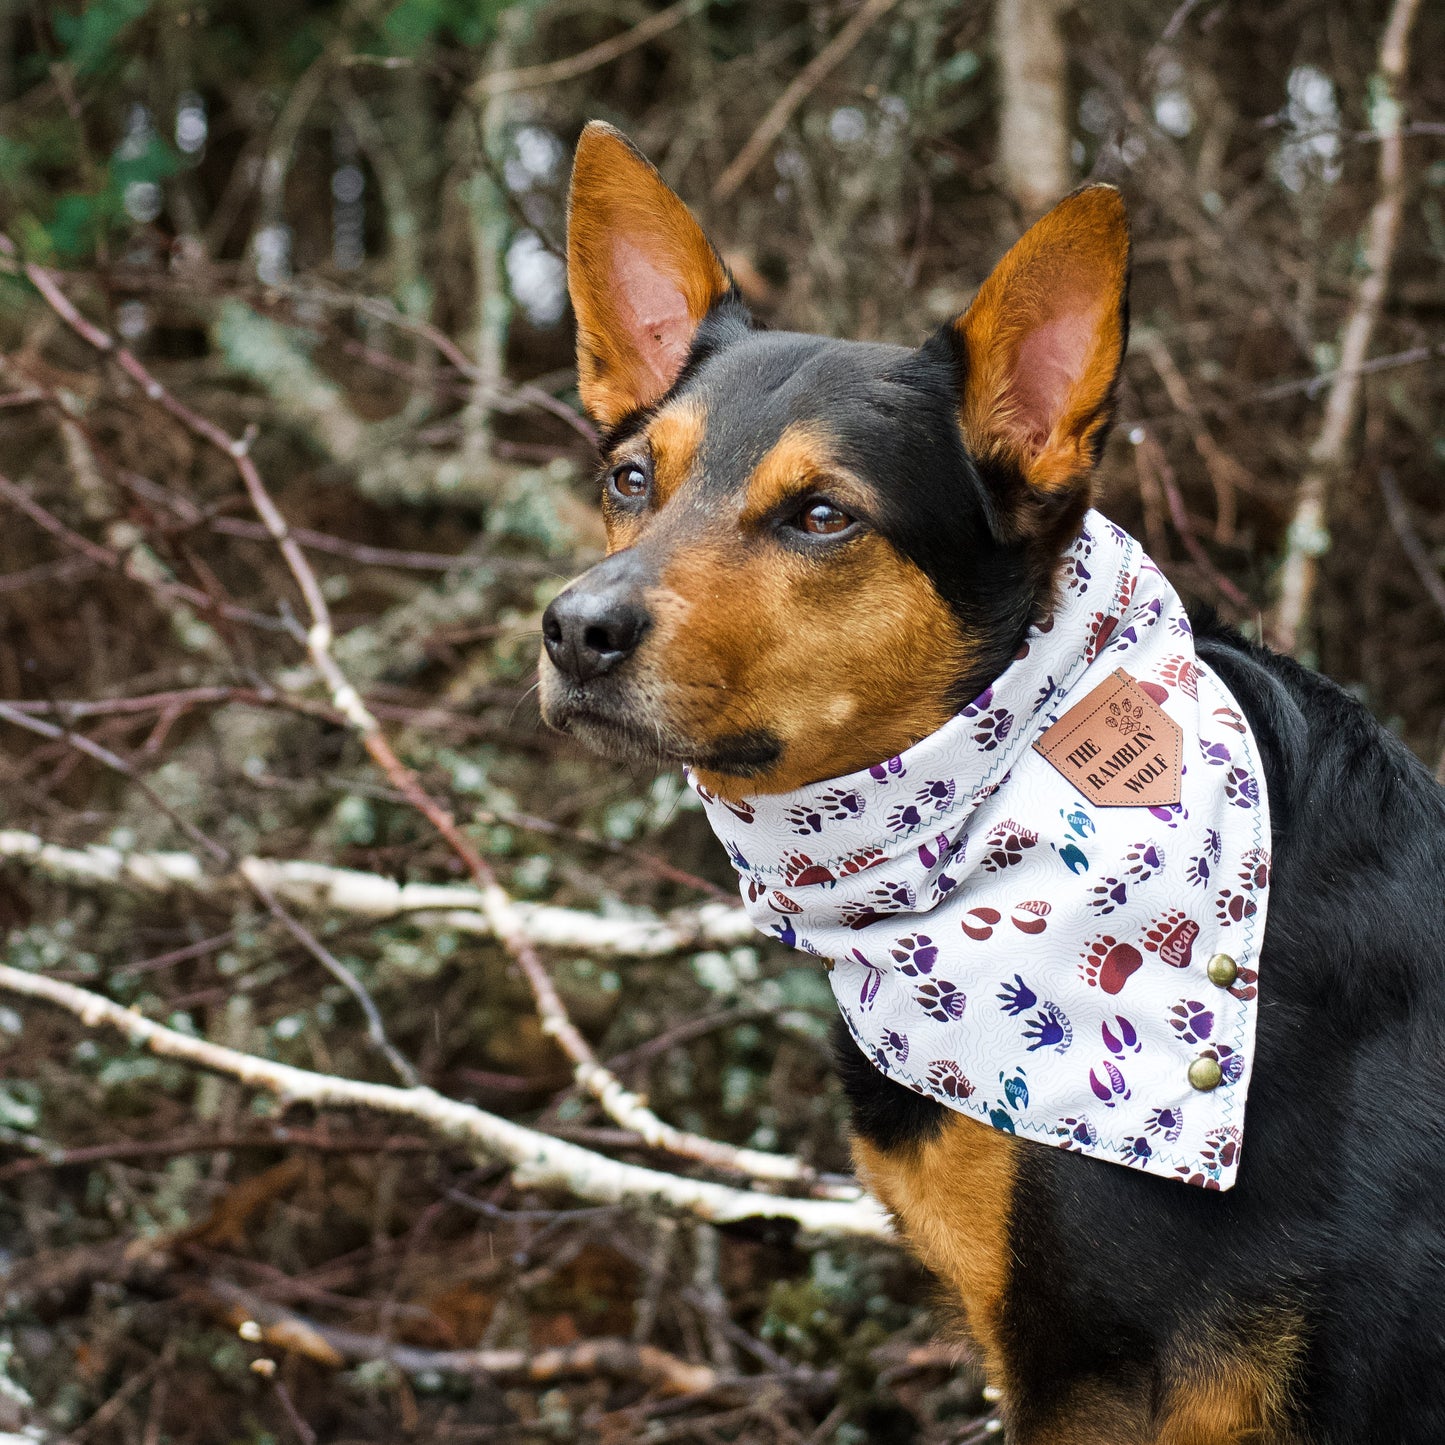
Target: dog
{"type": "Point", "coordinates": [819, 553]}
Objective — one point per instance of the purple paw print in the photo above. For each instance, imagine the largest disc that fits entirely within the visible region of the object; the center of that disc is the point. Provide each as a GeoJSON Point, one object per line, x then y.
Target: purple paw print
{"type": "Point", "coordinates": [842, 803]}
{"type": "Point", "coordinates": [1136, 1151]}
{"type": "Point", "coordinates": [894, 1044]}
{"type": "Point", "coordinates": [893, 768]}
{"type": "Point", "coordinates": [1241, 788]}
{"type": "Point", "coordinates": [916, 954]}
{"type": "Point", "coordinates": [805, 818]}
{"type": "Point", "coordinates": [1215, 754]}
{"type": "Point", "coordinates": [905, 818]}
{"type": "Point", "coordinates": [941, 1000]}
{"type": "Point", "coordinates": [872, 981]}
{"type": "Point", "coordinates": [1144, 860]}
{"type": "Point", "coordinates": [1191, 1021]}
{"type": "Point", "coordinates": [1078, 1133]}
{"type": "Point", "coordinates": [1170, 814]}
{"type": "Point", "coordinates": [1107, 895]}
{"type": "Point", "coordinates": [980, 704]}
{"type": "Point", "coordinates": [1111, 1088]}
{"type": "Point", "coordinates": [1168, 1122]}
{"type": "Point", "coordinates": [1016, 997]}
{"type": "Point", "coordinates": [1197, 873]}
{"type": "Point", "coordinates": [1122, 1039]}
{"type": "Point", "coordinates": [1049, 1029]}
{"type": "Point", "coordinates": [947, 1078]}
{"type": "Point", "coordinates": [992, 728]}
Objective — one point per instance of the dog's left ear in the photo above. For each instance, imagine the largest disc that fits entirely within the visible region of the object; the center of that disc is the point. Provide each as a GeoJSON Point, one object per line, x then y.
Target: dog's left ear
{"type": "Point", "coordinates": [640, 272]}
{"type": "Point", "coordinates": [1044, 340]}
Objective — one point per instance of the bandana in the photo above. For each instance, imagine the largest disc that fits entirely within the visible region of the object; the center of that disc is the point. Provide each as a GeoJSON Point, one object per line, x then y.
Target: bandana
{"type": "Point", "coordinates": [1047, 914]}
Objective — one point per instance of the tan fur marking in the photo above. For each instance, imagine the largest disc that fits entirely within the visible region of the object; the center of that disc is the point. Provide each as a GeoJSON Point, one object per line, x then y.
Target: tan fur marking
{"type": "Point", "coordinates": [1045, 337]}
{"type": "Point", "coordinates": [674, 438]}
{"type": "Point", "coordinates": [953, 1198]}
{"type": "Point", "coordinates": [795, 464]}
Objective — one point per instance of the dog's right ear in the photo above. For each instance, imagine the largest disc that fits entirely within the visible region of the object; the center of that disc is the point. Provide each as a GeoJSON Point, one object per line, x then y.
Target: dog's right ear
{"type": "Point", "coordinates": [641, 274]}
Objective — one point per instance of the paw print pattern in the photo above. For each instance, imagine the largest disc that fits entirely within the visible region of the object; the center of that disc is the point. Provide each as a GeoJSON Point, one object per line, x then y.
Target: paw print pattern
{"type": "Point", "coordinates": [992, 728]}
{"type": "Point", "coordinates": [886, 898]}
{"type": "Point", "coordinates": [1217, 755]}
{"type": "Point", "coordinates": [1243, 987]}
{"type": "Point", "coordinates": [1191, 1020]}
{"type": "Point", "coordinates": [979, 923]}
{"type": "Point", "coordinates": [805, 818]}
{"type": "Point", "coordinates": [837, 805]}
{"type": "Point", "coordinates": [945, 1077]}
{"type": "Point", "coordinates": [893, 1045]}
{"type": "Point", "coordinates": [1078, 1133]}
{"type": "Point", "coordinates": [1107, 895]}
{"type": "Point", "coordinates": [1006, 844]}
{"type": "Point", "coordinates": [1181, 672]}
{"type": "Point", "coordinates": [893, 768]}
{"type": "Point", "coordinates": [799, 870]}
{"type": "Point", "coordinates": [872, 981]}
{"type": "Point", "coordinates": [1168, 1123]}
{"type": "Point", "coordinates": [1101, 628]}
{"type": "Point", "coordinates": [1234, 907]}
{"type": "Point", "coordinates": [1109, 1085]}
{"type": "Point", "coordinates": [1049, 1029]}
{"type": "Point", "coordinates": [860, 862]}
{"type": "Point", "coordinates": [1108, 964]}
{"type": "Point", "coordinates": [1075, 574]}
{"type": "Point", "coordinates": [1254, 870]}
{"type": "Point", "coordinates": [1120, 1037]}
{"type": "Point", "coordinates": [1145, 860]}
{"type": "Point", "coordinates": [941, 1000]}
{"type": "Point", "coordinates": [1017, 997]}
{"type": "Point", "coordinates": [1172, 937]}
{"type": "Point", "coordinates": [1197, 872]}
{"type": "Point", "coordinates": [1241, 788]}
{"type": "Point", "coordinates": [915, 954]}
{"type": "Point", "coordinates": [1136, 1150]}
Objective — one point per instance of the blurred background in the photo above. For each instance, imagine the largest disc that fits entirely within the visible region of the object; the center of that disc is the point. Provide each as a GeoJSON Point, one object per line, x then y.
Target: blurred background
{"type": "Point", "coordinates": [335, 233]}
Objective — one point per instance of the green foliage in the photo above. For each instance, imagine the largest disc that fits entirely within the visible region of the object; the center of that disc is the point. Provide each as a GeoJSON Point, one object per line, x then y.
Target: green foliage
{"type": "Point", "coordinates": [89, 38]}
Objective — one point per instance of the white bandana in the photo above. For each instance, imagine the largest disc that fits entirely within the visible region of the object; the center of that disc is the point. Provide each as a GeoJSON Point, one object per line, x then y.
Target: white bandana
{"type": "Point", "coordinates": [1074, 973]}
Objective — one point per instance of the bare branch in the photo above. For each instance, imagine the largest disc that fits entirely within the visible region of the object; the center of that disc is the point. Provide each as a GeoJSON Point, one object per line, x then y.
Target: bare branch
{"type": "Point", "coordinates": [1308, 537]}
{"type": "Point", "coordinates": [536, 1160]}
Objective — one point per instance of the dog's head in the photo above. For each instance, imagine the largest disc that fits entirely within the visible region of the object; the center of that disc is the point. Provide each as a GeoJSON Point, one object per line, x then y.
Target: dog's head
{"type": "Point", "coordinates": [817, 549]}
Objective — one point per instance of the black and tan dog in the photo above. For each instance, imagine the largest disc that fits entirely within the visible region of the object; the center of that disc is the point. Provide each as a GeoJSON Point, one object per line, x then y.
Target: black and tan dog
{"type": "Point", "coordinates": [818, 550]}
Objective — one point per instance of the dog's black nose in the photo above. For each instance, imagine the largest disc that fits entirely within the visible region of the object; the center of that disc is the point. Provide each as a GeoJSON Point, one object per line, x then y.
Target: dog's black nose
{"type": "Point", "coordinates": [589, 630]}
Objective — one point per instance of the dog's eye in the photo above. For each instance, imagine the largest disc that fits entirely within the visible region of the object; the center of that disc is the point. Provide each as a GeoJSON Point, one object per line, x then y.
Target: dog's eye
{"type": "Point", "coordinates": [823, 519]}
{"type": "Point", "coordinates": [629, 480]}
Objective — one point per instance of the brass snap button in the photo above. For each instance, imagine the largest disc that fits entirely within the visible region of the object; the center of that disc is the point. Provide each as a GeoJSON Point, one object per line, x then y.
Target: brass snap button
{"type": "Point", "coordinates": [1222, 970]}
{"type": "Point", "coordinates": [1205, 1074]}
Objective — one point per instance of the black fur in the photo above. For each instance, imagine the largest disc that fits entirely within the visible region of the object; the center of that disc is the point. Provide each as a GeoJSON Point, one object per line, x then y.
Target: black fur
{"type": "Point", "coordinates": [1338, 1215]}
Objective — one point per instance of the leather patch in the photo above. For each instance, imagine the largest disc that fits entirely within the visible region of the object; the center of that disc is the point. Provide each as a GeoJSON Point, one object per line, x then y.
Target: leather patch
{"type": "Point", "coordinates": [1118, 747]}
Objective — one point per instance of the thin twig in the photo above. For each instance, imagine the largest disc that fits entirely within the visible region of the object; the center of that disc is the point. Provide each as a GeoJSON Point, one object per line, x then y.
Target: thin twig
{"type": "Point", "coordinates": [1399, 514]}
{"type": "Point", "coordinates": [803, 84]}
{"type": "Point", "coordinates": [1308, 537]}
{"type": "Point", "coordinates": [534, 77]}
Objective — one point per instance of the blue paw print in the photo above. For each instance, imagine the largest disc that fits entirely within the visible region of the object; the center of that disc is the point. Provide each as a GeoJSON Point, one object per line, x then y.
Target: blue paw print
{"type": "Point", "coordinates": [1017, 997]}
{"type": "Point", "coordinates": [1049, 1029]}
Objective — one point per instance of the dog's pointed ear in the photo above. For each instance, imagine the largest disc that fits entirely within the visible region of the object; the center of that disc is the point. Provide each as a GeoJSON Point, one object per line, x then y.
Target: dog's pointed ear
{"type": "Point", "coordinates": [641, 274]}
{"type": "Point", "coordinates": [1043, 343]}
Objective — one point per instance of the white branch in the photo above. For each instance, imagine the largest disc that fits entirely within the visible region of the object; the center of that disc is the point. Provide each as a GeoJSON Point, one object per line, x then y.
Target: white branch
{"type": "Point", "coordinates": [320, 888]}
{"type": "Point", "coordinates": [1308, 536]}
{"type": "Point", "coordinates": [537, 1161]}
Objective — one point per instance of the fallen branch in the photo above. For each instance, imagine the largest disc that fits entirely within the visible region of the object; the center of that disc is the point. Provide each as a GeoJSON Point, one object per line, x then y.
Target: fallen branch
{"type": "Point", "coordinates": [623, 1105]}
{"type": "Point", "coordinates": [535, 1160]}
{"type": "Point", "coordinates": [1308, 537]}
{"type": "Point", "coordinates": [270, 1324]}
{"type": "Point", "coordinates": [321, 888]}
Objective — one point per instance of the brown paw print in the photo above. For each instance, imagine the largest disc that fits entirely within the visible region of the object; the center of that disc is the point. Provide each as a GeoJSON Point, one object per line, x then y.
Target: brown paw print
{"type": "Point", "coordinates": [1172, 936]}
{"type": "Point", "coordinates": [799, 869]}
{"type": "Point", "coordinates": [1109, 964]}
